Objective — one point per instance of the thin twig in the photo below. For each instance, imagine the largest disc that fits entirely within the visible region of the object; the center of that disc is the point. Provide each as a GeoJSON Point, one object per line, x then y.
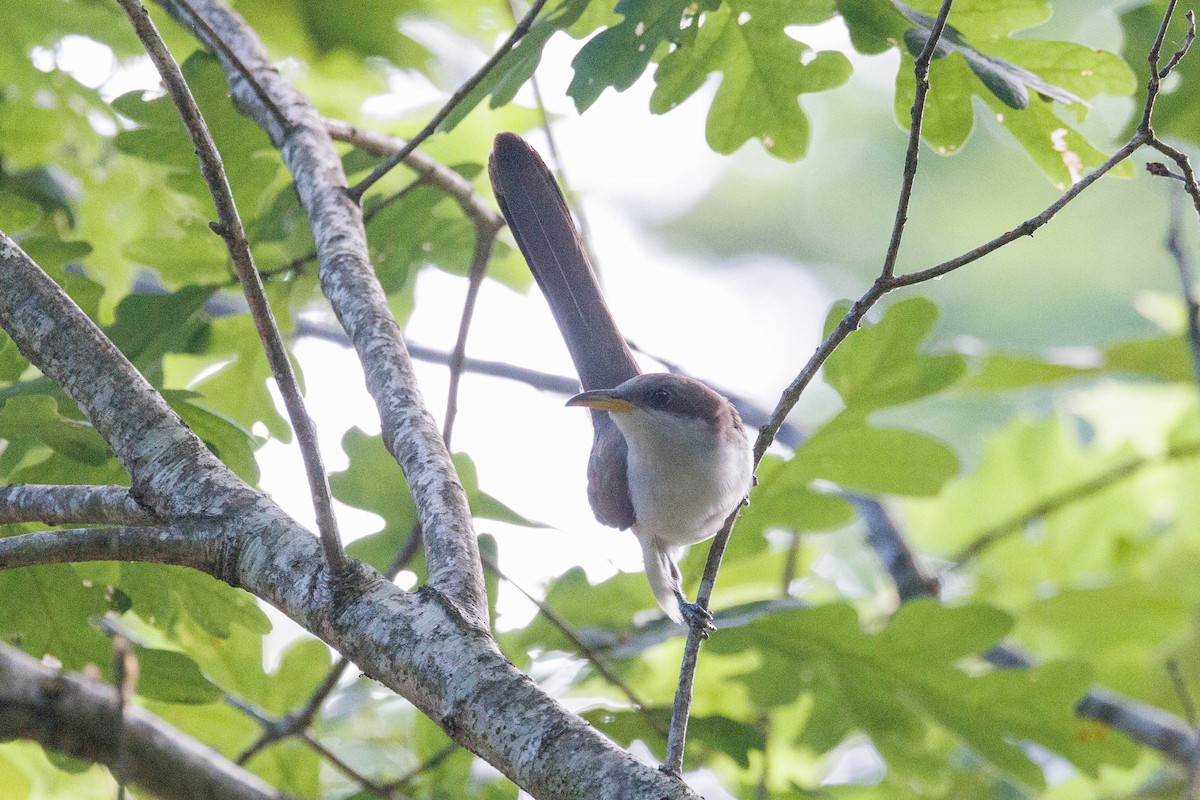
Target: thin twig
{"type": "Point", "coordinates": [883, 284]}
{"type": "Point", "coordinates": [485, 240]}
{"type": "Point", "coordinates": [912, 155]}
{"type": "Point", "coordinates": [229, 227]}
{"type": "Point", "coordinates": [1071, 494]}
{"type": "Point", "coordinates": [1189, 711]}
{"type": "Point", "coordinates": [1187, 282]}
{"type": "Point", "coordinates": [585, 649]}
{"type": "Point", "coordinates": [434, 173]}
{"type": "Point", "coordinates": [341, 766]}
{"type": "Point", "coordinates": [1182, 51]}
{"type": "Point", "coordinates": [425, 766]}
{"type": "Point", "coordinates": [208, 34]}
{"type": "Point", "coordinates": [356, 192]}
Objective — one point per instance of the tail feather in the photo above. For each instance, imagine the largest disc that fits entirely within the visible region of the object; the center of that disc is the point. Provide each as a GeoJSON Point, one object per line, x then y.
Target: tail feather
{"type": "Point", "coordinates": [663, 575]}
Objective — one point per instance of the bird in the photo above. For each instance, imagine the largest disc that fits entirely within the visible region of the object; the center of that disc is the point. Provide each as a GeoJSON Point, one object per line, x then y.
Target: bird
{"type": "Point", "coordinates": [670, 459]}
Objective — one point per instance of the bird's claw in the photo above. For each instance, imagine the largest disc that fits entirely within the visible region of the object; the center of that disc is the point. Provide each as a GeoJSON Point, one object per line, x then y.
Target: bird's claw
{"type": "Point", "coordinates": [697, 617]}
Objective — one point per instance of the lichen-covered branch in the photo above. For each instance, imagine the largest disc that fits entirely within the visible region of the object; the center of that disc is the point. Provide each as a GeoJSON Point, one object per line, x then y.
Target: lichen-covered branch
{"type": "Point", "coordinates": [189, 545]}
{"type": "Point", "coordinates": [77, 716]}
{"type": "Point", "coordinates": [173, 473]}
{"type": "Point", "coordinates": [69, 505]}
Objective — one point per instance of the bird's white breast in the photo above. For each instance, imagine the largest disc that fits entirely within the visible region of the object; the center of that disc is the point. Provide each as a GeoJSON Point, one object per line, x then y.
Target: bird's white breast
{"type": "Point", "coordinates": [683, 482]}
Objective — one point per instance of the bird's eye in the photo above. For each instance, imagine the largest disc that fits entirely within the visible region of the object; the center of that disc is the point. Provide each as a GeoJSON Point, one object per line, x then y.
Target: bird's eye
{"type": "Point", "coordinates": [659, 398]}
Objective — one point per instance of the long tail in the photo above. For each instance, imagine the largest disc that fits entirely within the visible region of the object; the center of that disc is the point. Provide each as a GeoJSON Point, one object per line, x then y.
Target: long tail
{"type": "Point", "coordinates": [540, 222]}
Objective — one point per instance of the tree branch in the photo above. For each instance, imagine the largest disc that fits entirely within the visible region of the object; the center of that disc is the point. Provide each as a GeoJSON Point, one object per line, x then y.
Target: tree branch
{"type": "Point", "coordinates": [349, 283]}
{"type": "Point", "coordinates": [194, 546]}
{"type": "Point", "coordinates": [173, 474]}
{"type": "Point", "coordinates": [229, 228]}
{"type": "Point", "coordinates": [67, 505]}
{"type": "Point", "coordinates": [76, 716]}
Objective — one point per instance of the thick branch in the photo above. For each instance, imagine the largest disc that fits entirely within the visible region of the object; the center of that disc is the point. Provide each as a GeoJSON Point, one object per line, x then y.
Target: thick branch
{"type": "Point", "coordinates": [172, 472]}
{"type": "Point", "coordinates": [76, 716]}
{"type": "Point", "coordinates": [349, 282]}
{"type": "Point", "coordinates": [67, 505]}
{"type": "Point", "coordinates": [192, 546]}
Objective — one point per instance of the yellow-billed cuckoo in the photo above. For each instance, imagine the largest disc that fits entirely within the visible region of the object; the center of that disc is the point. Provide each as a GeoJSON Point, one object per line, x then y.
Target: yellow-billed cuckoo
{"type": "Point", "coordinates": [670, 458]}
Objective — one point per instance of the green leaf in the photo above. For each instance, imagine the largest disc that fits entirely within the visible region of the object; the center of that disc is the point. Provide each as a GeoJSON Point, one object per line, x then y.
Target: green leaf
{"type": "Point", "coordinates": [1057, 148]}
{"type": "Point", "coordinates": [166, 597]}
{"type": "Point", "coordinates": [609, 604]}
{"type": "Point", "coordinates": [37, 419]}
{"type": "Point", "coordinates": [880, 365]}
{"type": "Point", "coordinates": [1007, 81]}
{"type": "Point", "coordinates": [712, 734]}
{"type": "Point", "coordinates": [373, 482]}
{"type": "Point", "coordinates": [782, 499]}
{"type": "Point", "coordinates": [857, 456]}
{"type": "Point", "coordinates": [368, 29]}
{"type": "Point", "coordinates": [173, 677]}
{"type": "Point", "coordinates": [1167, 358]}
{"type": "Point", "coordinates": [150, 325]}
{"type": "Point", "coordinates": [1024, 466]}
{"type": "Point", "coordinates": [423, 227]}
{"type": "Point", "coordinates": [1004, 76]}
{"type": "Point", "coordinates": [896, 684]}
{"type": "Point", "coordinates": [45, 610]}
{"type": "Point", "coordinates": [251, 164]}
{"type": "Point", "coordinates": [14, 780]}
{"type": "Point", "coordinates": [231, 443]}
{"type": "Point", "coordinates": [504, 81]}
{"type": "Point", "coordinates": [617, 56]}
{"type": "Point", "coordinates": [764, 73]}
{"type": "Point", "coordinates": [238, 390]}
{"type": "Point", "coordinates": [302, 669]}
{"type": "Point", "coordinates": [1000, 372]}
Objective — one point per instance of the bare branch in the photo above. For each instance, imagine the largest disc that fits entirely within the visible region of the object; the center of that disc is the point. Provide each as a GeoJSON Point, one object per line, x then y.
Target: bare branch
{"type": "Point", "coordinates": [1187, 280]}
{"type": "Point", "coordinates": [190, 546]}
{"type": "Point", "coordinates": [229, 227]}
{"type": "Point", "coordinates": [73, 715]}
{"type": "Point", "coordinates": [596, 660]}
{"type": "Point", "coordinates": [431, 127]}
{"type": "Point", "coordinates": [67, 505]}
{"type": "Point", "coordinates": [485, 240]}
{"type": "Point", "coordinates": [911, 156]}
{"type": "Point", "coordinates": [349, 283]}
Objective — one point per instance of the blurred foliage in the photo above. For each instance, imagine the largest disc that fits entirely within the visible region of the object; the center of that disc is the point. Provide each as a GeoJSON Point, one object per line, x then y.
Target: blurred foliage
{"type": "Point", "coordinates": [1062, 511]}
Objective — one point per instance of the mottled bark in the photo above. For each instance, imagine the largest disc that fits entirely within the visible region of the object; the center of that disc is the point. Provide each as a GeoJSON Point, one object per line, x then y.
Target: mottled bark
{"type": "Point", "coordinates": [85, 719]}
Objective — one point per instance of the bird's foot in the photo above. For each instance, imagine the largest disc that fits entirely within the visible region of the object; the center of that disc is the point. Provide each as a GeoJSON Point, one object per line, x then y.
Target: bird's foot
{"type": "Point", "coordinates": [697, 617]}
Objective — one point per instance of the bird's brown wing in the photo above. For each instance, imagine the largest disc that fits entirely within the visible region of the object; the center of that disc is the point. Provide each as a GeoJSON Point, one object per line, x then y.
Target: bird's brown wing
{"type": "Point", "coordinates": [540, 222]}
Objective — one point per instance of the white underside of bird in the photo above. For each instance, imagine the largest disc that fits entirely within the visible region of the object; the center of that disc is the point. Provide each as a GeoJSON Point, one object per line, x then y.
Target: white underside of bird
{"type": "Point", "coordinates": [683, 484]}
